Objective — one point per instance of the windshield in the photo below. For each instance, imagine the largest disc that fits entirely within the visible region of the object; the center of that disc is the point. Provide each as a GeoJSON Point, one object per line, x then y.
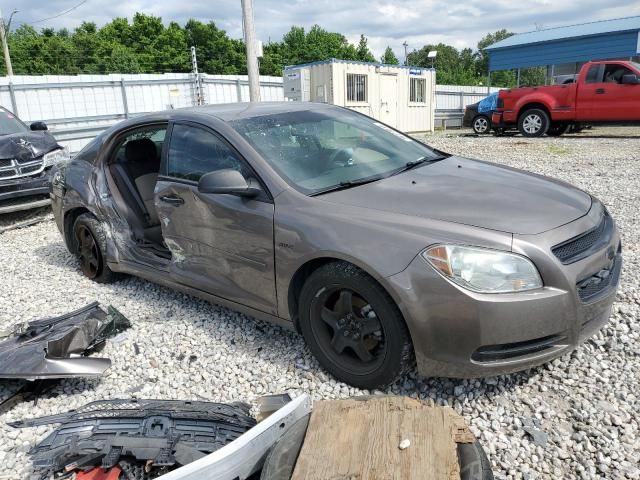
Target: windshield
{"type": "Point", "coordinates": [317, 150]}
{"type": "Point", "coordinates": [9, 124]}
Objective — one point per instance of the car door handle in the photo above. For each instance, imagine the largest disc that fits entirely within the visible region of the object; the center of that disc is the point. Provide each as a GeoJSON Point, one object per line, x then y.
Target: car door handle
{"type": "Point", "coordinates": [172, 199]}
{"type": "Point", "coordinates": [599, 90]}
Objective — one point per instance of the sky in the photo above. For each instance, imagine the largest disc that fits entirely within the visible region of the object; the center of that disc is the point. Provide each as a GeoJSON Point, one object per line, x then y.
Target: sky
{"type": "Point", "coordinates": [460, 23]}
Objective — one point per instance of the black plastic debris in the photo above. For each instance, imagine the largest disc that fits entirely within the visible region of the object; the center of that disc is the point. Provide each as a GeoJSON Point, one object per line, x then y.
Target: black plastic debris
{"type": "Point", "coordinates": [156, 434]}
{"type": "Point", "coordinates": [57, 347]}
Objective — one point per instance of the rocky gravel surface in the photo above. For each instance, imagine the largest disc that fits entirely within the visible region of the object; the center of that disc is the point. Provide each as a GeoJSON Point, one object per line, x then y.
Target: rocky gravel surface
{"type": "Point", "coordinates": [576, 417]}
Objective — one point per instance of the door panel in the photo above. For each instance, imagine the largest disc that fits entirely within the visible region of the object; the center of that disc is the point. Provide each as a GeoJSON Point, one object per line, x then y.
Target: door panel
{"type": "Point", "coordinates": [222, 244]}
{"type": "Point", "coordinates": [608, 99]}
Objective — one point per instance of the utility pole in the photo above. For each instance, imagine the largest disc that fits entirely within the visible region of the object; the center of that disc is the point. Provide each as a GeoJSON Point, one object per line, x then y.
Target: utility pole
{"type": "Point", "coordinates": [197, 80]}
{"type": "Point", "coordinates": [252, 58]}
{"type": "Point", "coordinates": [5, 44]}
{"type": "Point", "coordinates": [405, 45]}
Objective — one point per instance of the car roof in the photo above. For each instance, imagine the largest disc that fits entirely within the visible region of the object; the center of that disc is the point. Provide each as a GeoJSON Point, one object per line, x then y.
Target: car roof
{"type": "Point", "coordinates": [236, 111]}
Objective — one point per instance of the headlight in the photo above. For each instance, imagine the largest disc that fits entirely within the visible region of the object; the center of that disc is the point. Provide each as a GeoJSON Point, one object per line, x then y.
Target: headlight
{"type": "Point", "coordinates": [57, 156]}
{"type": "Point", "coordinates": [483, 270]}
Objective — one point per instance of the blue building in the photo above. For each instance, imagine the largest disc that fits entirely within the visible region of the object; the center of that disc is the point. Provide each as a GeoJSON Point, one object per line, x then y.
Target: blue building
{"type": "Point", "coordinates": [565, 49]}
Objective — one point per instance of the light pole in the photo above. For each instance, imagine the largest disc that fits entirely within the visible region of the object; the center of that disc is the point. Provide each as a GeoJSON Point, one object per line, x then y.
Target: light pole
{"type": "Point", "coordinates": [5, 45]}
{"type": "Point", "coordinates": [405, 45]}
{"type": "Point", "coordinates": [252, 58]}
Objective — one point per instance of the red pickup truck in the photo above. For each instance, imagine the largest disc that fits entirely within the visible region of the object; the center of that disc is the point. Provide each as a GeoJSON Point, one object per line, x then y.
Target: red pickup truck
{"type": "Point", "coordinates": [604, 92]}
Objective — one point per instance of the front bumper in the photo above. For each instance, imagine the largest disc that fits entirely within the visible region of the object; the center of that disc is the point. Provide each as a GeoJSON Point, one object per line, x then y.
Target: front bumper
{"type": "Point", "coordinates": [459, 333]}
{"type": "Point", "coordinates": [25, 192]}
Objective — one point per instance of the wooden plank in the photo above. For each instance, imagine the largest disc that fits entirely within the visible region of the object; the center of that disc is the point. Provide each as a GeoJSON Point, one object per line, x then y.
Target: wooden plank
{"type": "Point", "coordinates": [358, 439]}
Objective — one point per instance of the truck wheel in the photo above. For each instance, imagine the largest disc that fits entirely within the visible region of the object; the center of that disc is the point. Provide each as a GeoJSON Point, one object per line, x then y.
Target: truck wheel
{"type": "Point", "coordinates": [557, 130]}
{"type": "Point", "coordinates": [533, 122]}
{"type": "Point", "coordinates": [481, 125]}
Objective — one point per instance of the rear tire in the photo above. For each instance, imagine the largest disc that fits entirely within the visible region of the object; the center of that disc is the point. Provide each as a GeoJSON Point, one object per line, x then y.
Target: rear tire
{"type": "Point", "coordinates": [90, 244]}
{"type": "Point", "coordinates": [481, 125]}
{"type": "Point", "coordinates": [533, 122]}
{"type": "Point", "coordinates": [353, 327]}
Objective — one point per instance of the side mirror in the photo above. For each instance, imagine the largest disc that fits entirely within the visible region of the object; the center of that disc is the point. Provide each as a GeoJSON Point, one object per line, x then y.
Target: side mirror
{"type": "Point", "coordinates": [630, 79]}
{"type": "Point", "coordinates": [38, 126]}
{"type": "Point", "coordinates": [227, 181]}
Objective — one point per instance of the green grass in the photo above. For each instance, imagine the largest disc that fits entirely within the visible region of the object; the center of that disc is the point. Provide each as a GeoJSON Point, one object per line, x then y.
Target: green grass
{"type": "Point", "coordinates": [558, 149]}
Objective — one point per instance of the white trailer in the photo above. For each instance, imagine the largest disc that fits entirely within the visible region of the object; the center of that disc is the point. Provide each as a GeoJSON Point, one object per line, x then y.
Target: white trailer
{"type": "Point", "coordinates": [400, 96]}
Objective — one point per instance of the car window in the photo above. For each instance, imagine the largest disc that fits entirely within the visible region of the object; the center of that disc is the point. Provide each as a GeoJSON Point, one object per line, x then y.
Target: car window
{"type": "Point", "coordinates": [194, 151]}
{"type": "Point", "coordinates": [592, 74]}
{"type": "Point", "coordinates": [155, 134]}
{"type": "Point", "coordinates": [613, 73]}
{"type": "Point", "coordinates": [9, 124]}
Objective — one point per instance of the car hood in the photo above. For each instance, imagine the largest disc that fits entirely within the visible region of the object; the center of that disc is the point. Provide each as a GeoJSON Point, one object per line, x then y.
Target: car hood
{"type": "Point", "coordinates": [26, 146]}
{"type": "Point", "coordinates": [472, 192]}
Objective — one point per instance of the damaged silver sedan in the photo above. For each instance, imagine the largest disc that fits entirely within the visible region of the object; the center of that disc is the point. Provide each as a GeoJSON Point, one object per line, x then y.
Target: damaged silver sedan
{"type": "Point", "coordinates": [382, 251]}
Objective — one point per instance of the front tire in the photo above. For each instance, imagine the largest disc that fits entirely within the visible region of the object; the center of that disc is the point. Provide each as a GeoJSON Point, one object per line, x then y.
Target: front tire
{"type": "Point", "coordinates": [481, 125]}
{"type": "Point", "coordinates": [90, 245]}
{"type": "Point", "coordinates": [353, 327]}
{"type": "Point", "coordinates": [533, 122]}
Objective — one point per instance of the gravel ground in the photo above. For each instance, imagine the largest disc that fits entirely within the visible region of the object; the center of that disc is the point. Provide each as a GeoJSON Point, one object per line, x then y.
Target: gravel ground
{"type": "Point", "coordinates": [585, 404]}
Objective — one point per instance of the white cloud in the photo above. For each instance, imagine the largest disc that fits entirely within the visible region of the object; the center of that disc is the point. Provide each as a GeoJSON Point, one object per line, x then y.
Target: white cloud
{"type": "Point", "coordinates": [391, 23]}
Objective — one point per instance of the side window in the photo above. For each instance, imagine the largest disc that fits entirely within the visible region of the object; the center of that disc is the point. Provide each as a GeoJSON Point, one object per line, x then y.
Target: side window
{"type": "Point", "coordinates": [613, 73]}
{"type": "Point", "coordinates": [356, 87]}
{"type": "Point", "coordinates": [194, 151]}
{"type": "Point", "coordinates": [592, 74]}
{"type": "Point", "coordinates": [142, 146]}
{"type": "Point", "coordinates": [417, 90]}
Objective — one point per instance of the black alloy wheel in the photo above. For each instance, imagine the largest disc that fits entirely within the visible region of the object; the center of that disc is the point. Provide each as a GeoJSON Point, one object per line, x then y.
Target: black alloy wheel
{"type": "Point", "coordinates": [348, 330]}
{"type": "Point", "coordinates": [90, 258]}
{"type": "Point", "coordinates": [90, 245]}
{"type": "Point", "coordinates": [353, 327]}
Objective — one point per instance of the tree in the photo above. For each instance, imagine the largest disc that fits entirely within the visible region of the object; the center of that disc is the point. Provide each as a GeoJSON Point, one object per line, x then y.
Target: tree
{"type": "Point", "coordinates": [362, 51]}
{"type": "Point", "coordinates": [389, 57]}
{"type": "Point", "coordinates": [452, 67]}
{"type": "Point", "coordinates": [501, 78]}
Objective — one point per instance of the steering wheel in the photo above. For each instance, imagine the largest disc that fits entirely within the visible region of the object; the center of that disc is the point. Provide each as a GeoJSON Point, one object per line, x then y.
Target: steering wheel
{"type": "Point", "coordinates": [333, 159]}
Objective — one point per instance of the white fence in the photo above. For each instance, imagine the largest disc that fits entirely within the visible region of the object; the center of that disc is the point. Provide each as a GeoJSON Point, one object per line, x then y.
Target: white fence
{"type": "Point", "coordinates": [78, 107]}
{"type": "Point", "coordinates": [452, 99]}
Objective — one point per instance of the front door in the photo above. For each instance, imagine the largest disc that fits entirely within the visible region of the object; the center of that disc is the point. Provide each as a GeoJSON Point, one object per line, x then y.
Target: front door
{"type": "Point", "coordinates": [389, 100]}
{"type": "Point", "coordinates": [603, 96]}
{"type": "Point", "coordinates": [221, 244]}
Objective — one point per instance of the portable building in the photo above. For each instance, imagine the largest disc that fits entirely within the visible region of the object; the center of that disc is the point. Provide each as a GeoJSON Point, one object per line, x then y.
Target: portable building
{"type": "Point", "coordinates": [400, 96]}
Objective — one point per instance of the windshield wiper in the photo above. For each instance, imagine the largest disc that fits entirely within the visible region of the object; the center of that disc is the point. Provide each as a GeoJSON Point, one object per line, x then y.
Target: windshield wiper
{"type": "Point", "coordinates": [346, 184]}
{"type": "Point", "coordinates": [420, 161]}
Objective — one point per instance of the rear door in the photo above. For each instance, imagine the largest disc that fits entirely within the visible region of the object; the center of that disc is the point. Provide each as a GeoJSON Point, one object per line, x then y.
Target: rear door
{"type": "Point", "coordinates": [221, 244]}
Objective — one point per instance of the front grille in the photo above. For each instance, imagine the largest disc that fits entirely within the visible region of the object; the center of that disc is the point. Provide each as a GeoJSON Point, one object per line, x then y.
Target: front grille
{"type": "Point", "coordinates": [13, 168]}
{"type": "Point", "coordinates": [598, 282]}
{"type": "Point", "coordinates": [508, 351]}
{"type": "Point", "coordinates": [583, 245]}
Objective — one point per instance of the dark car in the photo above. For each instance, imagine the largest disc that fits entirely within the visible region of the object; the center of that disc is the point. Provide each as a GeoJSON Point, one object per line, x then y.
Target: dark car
{"type": "Point", "coordinates": [26, 157]}
{"type": "Point", "coordinates": [380, 250]}
{"type": "Point", "coordinates": [479, 122]}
